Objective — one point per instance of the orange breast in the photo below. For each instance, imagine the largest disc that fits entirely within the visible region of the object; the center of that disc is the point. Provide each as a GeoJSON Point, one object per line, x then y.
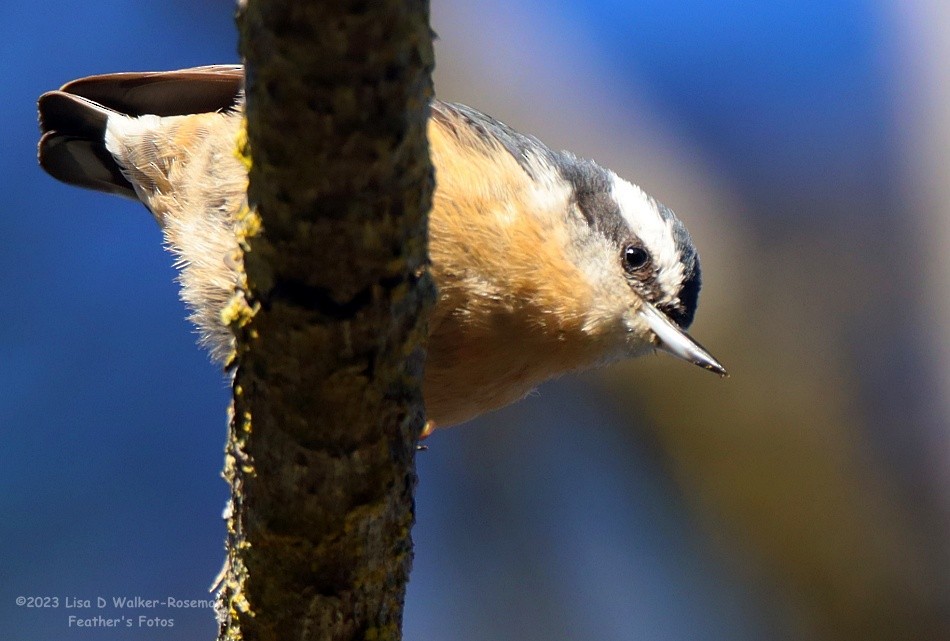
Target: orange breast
{"type": "Point", "coordinates": [511, 304]}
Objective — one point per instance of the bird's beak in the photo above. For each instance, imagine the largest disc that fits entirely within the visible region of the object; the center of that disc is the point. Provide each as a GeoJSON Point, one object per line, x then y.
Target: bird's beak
{"type": "Point", "coordinates": [672, 339]}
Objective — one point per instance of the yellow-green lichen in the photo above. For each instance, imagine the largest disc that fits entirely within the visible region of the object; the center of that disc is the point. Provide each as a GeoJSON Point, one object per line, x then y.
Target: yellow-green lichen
{"type": "Point", "coordinates": [237, 313]}
{"type": "Point", "coordinates": [242, 147]}
{"type": "Point", "coordinates": [249, 224]}
{"type": "Point", "coordinates": [383, 633]}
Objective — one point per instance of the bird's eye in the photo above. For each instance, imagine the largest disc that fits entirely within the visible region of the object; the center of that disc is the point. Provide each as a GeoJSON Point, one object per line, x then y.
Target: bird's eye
{"type": "Point", "coordinates": [635, 258]}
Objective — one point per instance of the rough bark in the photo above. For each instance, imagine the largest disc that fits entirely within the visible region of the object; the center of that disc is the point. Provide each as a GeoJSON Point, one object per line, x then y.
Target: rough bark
{"type": "Point", "coordinates": [327, 403]}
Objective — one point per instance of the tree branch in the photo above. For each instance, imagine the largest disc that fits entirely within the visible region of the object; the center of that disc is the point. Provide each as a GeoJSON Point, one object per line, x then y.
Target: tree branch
{"type": "Point", "coordinates": [327, 402]}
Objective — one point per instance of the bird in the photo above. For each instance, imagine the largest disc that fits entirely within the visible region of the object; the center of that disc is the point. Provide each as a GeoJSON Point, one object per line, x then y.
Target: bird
{"type": "Point", "coordinates": [545, 263]}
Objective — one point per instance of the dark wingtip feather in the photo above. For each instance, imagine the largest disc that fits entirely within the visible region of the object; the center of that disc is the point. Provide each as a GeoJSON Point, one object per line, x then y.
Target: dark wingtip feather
{"type": "Point", "coordinates": [163, 93]}
{"type": "Point", "coordinates": [84, 163]}
{"type": "Point", "coordinates": [75, 115]}
{"type": "Point", "coordinates": [72, 147]}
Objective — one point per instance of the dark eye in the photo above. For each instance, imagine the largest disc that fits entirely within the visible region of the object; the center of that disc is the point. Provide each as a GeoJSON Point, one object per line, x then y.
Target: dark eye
{"type": "Point", "coordinates": [635, 258]}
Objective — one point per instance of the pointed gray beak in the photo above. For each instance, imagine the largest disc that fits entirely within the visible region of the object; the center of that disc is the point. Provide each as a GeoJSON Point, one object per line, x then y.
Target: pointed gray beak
{"type": "Point", "coordinates": [672, 339]}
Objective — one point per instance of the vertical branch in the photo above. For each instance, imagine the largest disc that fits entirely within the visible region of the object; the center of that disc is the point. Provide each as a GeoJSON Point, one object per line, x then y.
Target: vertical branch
{"type": "Point", "coordinates": [328, 369]}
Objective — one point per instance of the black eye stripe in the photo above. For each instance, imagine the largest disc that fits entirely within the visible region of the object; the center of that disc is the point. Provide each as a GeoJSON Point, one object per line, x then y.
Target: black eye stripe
{"type": "Point", "coordinates": [688, 296]}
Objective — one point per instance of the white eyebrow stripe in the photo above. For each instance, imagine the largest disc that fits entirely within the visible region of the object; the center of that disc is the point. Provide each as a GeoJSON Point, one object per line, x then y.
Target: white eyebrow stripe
{"type": "Point", "coordinates": [642, 214]}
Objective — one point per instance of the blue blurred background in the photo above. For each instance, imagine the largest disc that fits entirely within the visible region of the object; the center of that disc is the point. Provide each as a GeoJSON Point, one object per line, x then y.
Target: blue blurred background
{"type": "Point", "coordinates": [805, 144]}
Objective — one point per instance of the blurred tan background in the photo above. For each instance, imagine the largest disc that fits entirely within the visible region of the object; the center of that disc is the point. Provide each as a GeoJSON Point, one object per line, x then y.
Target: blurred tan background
{"type": "Point", "coordinates": [819, 470]}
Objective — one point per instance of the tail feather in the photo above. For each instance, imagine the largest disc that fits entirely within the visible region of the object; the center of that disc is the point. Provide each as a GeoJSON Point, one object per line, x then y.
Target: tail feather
{"type": "Point", "coordinates": [73, 120]}
{"type": "Point", "coordinates": [72, 148]}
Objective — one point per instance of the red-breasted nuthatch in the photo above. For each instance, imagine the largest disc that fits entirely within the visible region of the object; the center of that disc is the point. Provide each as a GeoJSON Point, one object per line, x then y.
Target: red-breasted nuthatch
{"type": "Point", "coordinates": [545, 263]}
